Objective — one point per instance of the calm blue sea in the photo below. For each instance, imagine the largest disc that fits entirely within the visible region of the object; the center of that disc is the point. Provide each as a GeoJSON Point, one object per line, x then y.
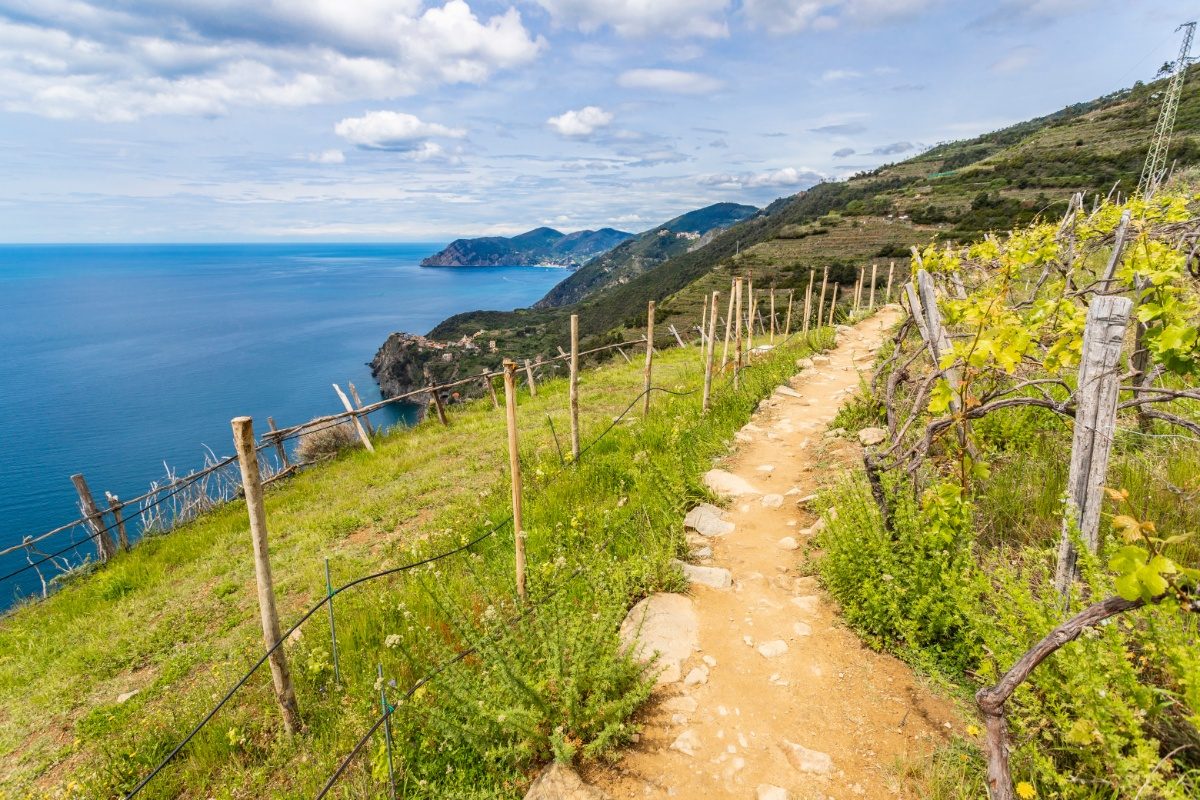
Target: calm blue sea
{"type": "Point", "coordinates": [114, 359]}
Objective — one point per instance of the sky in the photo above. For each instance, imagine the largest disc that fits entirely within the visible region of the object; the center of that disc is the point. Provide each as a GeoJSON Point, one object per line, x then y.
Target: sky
{"type": "Point", "coordinates": [424, 120]}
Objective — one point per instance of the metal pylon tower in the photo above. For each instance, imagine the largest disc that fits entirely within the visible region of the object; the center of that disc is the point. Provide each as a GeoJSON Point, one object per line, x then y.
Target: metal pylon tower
{"type": "Point", "coordinates": [1156, 160]}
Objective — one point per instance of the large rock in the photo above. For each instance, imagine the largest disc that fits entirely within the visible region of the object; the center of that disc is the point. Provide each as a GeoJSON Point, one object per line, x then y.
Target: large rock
{"type": "Point", "coordinates": [767, 791]}
{"type": "Point", "coordinates": [708, 520]}
{"type": "Point", "coordinates": [869, 437]}
{"type": "Point", "coordinates": [727, 484]}
{"type": "Point", "coordinates": [715, 577]}
{"type": "Point", "coordinates": [811, 761]}
{"type": "Point", "coordinates": [666, 626]}
{"type": "Point", "coordinates": [559, 782]}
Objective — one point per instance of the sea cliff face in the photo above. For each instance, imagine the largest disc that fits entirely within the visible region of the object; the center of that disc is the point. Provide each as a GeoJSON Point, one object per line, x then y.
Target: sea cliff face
{"type": "Point", "coordinates": [538, 247]}
{"type": "Point", "coordinates": [407, 362]}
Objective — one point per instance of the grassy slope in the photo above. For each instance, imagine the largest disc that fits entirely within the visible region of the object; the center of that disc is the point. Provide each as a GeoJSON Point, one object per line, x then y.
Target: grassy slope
{"type": "Point", "coordinates": [177, 620]}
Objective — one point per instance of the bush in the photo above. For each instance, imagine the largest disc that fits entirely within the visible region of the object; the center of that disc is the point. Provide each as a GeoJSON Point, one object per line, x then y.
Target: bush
{"type": "Point", "coordinates": [322, 443]}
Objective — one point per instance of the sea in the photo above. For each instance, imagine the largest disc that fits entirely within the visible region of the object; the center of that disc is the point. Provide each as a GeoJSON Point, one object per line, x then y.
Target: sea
{"type": "Point", "coordinates": [121, 361]}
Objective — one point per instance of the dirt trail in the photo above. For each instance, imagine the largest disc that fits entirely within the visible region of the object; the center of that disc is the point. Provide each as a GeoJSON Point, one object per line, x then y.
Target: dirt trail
{"type": "Point", "coordinates": [728, 728]}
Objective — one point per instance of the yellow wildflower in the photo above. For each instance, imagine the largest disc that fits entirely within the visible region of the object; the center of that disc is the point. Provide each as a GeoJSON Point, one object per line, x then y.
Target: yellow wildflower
{"type": "Point", "coordinates": [1025, 791]}
{"type": "Point", "coordinates": [972, 730]}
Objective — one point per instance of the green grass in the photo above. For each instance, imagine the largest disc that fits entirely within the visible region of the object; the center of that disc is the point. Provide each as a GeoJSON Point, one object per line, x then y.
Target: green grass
{"type": "Point", "coordinates": [176, 619]}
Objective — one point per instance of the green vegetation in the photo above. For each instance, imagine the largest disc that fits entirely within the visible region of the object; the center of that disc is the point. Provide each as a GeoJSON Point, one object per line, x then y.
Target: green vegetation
{"type": "Point", "coordinates": [177, 620]}
{"type": "Point", "coordinates": [949, 559]}
{"type": "Point", "coordinates": [538, 246]}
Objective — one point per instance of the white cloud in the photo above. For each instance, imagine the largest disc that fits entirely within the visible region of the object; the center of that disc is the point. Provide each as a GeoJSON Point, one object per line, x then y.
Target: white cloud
{"type": "Point", "coordinates": [1014, 60]}
{"type": "Point", "coordinates": [669, 80]}
{"type": "Point", "coordinates": [792, 16]}
{"type": "Point", "coordinates": [328, 157]}
{"type": "Point", "coordinates": [831, 75]}
{"type": "Point", "coordinates": [779, 178]}
{"type": "Point", "coordinates": [187, 57]}
{"type": "Point", "coordinates": [638, 18]}
{"type": "Point", "coordinates": [581, 122]}
{"type": "Point", "coordinates": [393, 130]}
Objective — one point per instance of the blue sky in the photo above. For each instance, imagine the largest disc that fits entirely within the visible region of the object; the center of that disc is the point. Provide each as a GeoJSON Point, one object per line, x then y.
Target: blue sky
{"type": "Point", "coordinates": [421, 120]}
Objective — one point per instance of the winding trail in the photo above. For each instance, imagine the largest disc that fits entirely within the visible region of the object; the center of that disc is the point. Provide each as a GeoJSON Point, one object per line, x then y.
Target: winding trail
{"type": "Point", "coordinates": [771, 665]}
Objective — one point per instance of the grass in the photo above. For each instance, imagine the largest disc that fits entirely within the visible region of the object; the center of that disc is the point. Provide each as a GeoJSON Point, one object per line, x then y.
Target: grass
{"type": "Point", "coordinates": [176, 619]}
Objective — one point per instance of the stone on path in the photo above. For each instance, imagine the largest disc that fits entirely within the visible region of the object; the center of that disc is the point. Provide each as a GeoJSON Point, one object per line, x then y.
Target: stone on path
{"type": "Point", "coordinates": [708, 520]}
{"type": "Point", "coordinates": [682, 703]}
{"type": "Point", "coordinates": [767, 791]}
{"type": "Point", "coordinates": [715, 577]}
{"type": "Point", "coordinates": [804, 363]}
{"type": "Point", "coordinates": [772, 649]}
{"type": "Point", "coordinates": [688, 743]}
{"type": "Point", "coordinates": [788, 391]}
{"type": "Point", "coordinates": [806, 602]}
{"type": "Point", "coordinates": [788, 543]}
{"type": "Point", "coordinates": [559, 782]}
{"type": "Point", "coordinates": [125, 696]}
{"type": "Point", "coordinates": [696, 677]}
{"type": "Point", "coordinates": [819, 360]}
{"type": "Point", "coordinates": [727, 484]}
{"type": "Point", "coordinates": [805, 760]}
{"type": "Point", "coordinates": [802, 629]}
{"type": "Point", "coordinates": [772, 501]}
{"type": "Point", "coordinates": [665, 624]}
{"type": "Point", "coordinates": [869, 437]}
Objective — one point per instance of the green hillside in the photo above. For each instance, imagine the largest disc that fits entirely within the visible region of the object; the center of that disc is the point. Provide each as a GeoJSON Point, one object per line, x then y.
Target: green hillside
{"type": "Point", "coordinates": [538, 246]}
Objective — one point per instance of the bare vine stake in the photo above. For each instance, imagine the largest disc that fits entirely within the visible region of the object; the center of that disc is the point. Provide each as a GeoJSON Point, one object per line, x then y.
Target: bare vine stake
{"type": "Point", "coordinates": [1095, 424]}
{"type": "Point", "coordinates": [749, 314]}
{"type": "Point", "coordinates": [808, 296]}
{"type": "Point", "coordinates": [529, 379]}
{"type": "Point", "coordinates": [358, 404]}
{"type": "Point", "coordinates": [787, 320]}
{"type": "Point", "coordinates": [708, 354]}
{"type": "Point", "coordinates": [243, 440]}
{"type": "Point", "coordinates": [915, 311]}
{"type": "Point", "coordinates": [728, 325]}
{"type": "Point", "coordinates": [874, 268]}
{"type": "Point", "coordinates": [833, 304]}
{"type": "Point", "coordinates": [491, 387]}
{"type": "Point", "coordinates": [436, 395]}
{"type": "Point", "coordinates": [772, 339]}
{"type": "Point", "coordinates": [887, 296]}
{"type": "Point", "coordinates": [649, 355]}
{"type": "Point", "coordinates": [857, 290]}
{"type": "Point", "coordinates": [280, 449]}
{"type": "Point", "coordinates": [337, 670]}
{"type": "Point", "coordinates": [362, 433]}
{"type": "Point", "coordinates": [821, 302]}
{"type": "Point", "coordinates": [574, 387]}
{"type": "Point", "coordinates": [703, 322]}
{"type": "Point", "coordinates": [105, 548]}
{"type": "Point", "coordinates": [624, 355]}
{"type": "Point", "coordinates": [514, 466]}
{"type": "Point", "coordinates": [114, 507]}
{"type": "Point", "coordinates": [939, 340]}
{"type": "Point", "coordinates": [737, 337]}
{"type": "Point", "coordinates": [675, 333]}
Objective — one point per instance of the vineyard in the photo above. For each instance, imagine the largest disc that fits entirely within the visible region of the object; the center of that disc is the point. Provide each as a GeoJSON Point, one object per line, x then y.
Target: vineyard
{"type": "Point", "coordinates": [1040, 478]}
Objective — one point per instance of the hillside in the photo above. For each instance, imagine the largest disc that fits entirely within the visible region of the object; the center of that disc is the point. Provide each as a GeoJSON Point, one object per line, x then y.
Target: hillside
{"type": "Point", "coordinates": [647, 250]}
{"type": "Point", "coordinates": [540, 246]}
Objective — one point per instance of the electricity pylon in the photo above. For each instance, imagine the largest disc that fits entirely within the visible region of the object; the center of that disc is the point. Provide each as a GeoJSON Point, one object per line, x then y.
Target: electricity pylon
{"type": "Point", "coordinates": [1156, 160]}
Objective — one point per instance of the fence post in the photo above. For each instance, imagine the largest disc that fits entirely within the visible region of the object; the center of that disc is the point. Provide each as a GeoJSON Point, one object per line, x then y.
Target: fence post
{"type": "Point", "coordinates": [280, 450]}
{"type": "Point", "coordinates": [749, 314]}
{"type": "Point", "coordinates": [243, 440]}
{"type": "Point", "coordinates": [939, 340]}
{"type": "Point", "coordinates": [887, 297]}
{"type": "Point", "coordinates": [703, 321]}
{"type": "Point", "coordinates": [104, 543]}
{"type": "Point", "coordinates": [115, 507]}
{"type": "Point", "coordinates": [675, 333]}
{"type": "Point", "coordinates": [808, 296]}
{"type": "Point", "coordinates": [737, 337]}
{"type": "Point", "coordinates": [362, 433]}
{"type": "Point", "coordinates": [358, 404]}
{"type": "Point", "coordinates": [772, 339]}
{"type": "Point", "coordinates": [649, 356]}
{"type": "Point", "coordinates": [874, 269]}
{"type": "Point", "coordinates": [574, 387]}
{"type": "Point", "coordinates": [821, 302]}
{"type": "Point", "coordinates": [514, 466]}
{"type": "Point", "coordinates": [708, 354]}
{"type": "Point", "coordinates": [529, 378]}
{"type": "Point", "coordinates": [728, 324]}
{"type": "Point", "coordinates": [436, 396]}
{"type": "Point", "coordinates": [1095, 423]}
{"type": "Point", "coordinates": [487, 381]}
{"type": "Point", "coordinates": [833, 303]}
{"type": "Point", "coordinates": [787, 320]}
{"type": "Point", "coordinates": [858, 286]}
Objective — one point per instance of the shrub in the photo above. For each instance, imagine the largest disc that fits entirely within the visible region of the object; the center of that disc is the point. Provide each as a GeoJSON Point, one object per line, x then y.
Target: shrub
{"type": "Point", "coordinates": [322, 443]}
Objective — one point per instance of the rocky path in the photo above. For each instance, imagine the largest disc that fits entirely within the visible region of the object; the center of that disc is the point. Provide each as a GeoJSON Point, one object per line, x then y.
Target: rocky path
{"type": "Point", "coordinates": [765, 693]}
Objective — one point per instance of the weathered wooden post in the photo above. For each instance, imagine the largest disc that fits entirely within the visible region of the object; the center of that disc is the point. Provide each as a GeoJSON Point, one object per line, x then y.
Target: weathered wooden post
{"type": "Point", "coordinates": [728, 325]}
{"type": "Point", "coordinates": [737, 339]}
{"type": "Point", "coordinates": [435, 397]}
{"type": "Point", "coordinates": [938, 339]}
{"type": "Point", "coordinates": [821, 302]}
{"type": "Point", "coordinates": [675, 333]}
{"type": "Point", "coordinates": [808, 297]}
{"type": "Point", "coordinates": [703, 320]}
{"type": "Point", "coordinates": [529, 379]}
{"type": "Point", "coordinates": [874, 268]}
{"type": "Point", "coordinates": [771, 340]}
{"type": "Point", "coordinates": [858, 285]}
{"type": "Point", "coordinates": [105, 549]}
{"type": "Point", "coordinates": [280, 449]}
{"type": "Point", "coordinates": [362, 433]}
{"type": "Point", "coordinates": [787, 320]}
{"type": "Point", "coordinates": [115, 507]}
{"type": "Point", "coordinates": [574, 387]}
{"type": "Point", "coordinates": [514, 467]}
{"type": "Point", "coordinates": [358, 404]}
{"type": "Point", "coordinates": [708, 354]}
{"type": "Point", "coordinates": [833, 304]}
{"type": "Point", "coordinates": [285, 694]}
{"type": "Point", "coordinates": [749, 314]}
{"type": "Point", "coordinates": [887, 297]}
{"type": "Point", "coordinates": [916, 312]}
{"type": "Point", "coordinates": [1095, 424]}
{"type": "Point", "coordinates": [649, 356]}
{"type": "Point", "coordinates": [487, 381]}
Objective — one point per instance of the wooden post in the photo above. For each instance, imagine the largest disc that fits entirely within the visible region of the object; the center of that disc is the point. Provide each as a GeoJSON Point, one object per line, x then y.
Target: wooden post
{"type": "Point", "coordinates": [529, 379]}
{"type": "Point", "coordinates": [887, 297]}
{"type": "Point", "coordinates": [487, 381]}
{"type": "Point", "coordinates": [703, 322]}
{"type": "Point", "coordinates": [280, 449]}
{"type": "Point", "coordinates": [675, 333]}
{"type": "Point", "coordinates": [243, 440]}
{"type": "Point", "coordinates": [105, 548]}
{"type": "Point", "coordinates": [362, 433]}
{"type": "Point", "coordinates": [737, 338]}
{"type": "Point", "coordinates": [787, 321]}
{"type": "Point", "coordinates": [833, 303]}
{"type": "Point", "coordinates": [874, 268]}
{"type": "Point", "coordinates": [625, 356]}
{"type": "Point", "coordinates": [115, 507]}
{"type": "Point", "coordinates": [649, 355]}
{"type": "Point", "coordinates": [821, 302]}
{"type": "Point", "coordinates": [708, 354]}
{"type": "Point", "coordinates": [808, 296]}
{"type": "Point", "coordinates": [749, 314]}
{"type": "Point", "coordinates": [728, 324]}
{"type": "Point", "coordinates": [358, 404]}
{"type": "Point", "coordinates": [939, 340]}
{"type": "Point", "coordinates": [514, 466]}
{"type": "Point", "coordinates": [574, 387]}
{"type": "Point", "coordinates": [858, 284]}
{"type": "Point", "coordinates": [1095, 423]}
{"type": "Point", "coordinates": [772, 339]}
